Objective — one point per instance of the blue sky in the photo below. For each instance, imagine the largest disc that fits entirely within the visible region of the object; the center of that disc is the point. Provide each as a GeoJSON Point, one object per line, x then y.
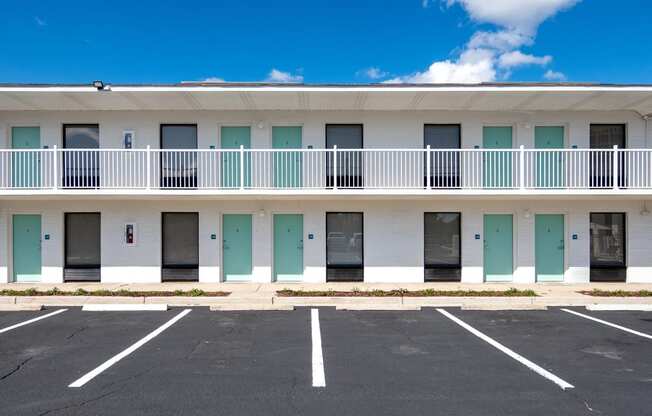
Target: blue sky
{"type": "Point", "coordinates": [141, 41]}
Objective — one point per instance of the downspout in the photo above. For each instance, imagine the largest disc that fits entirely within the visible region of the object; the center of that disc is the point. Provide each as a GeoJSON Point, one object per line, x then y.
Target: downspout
{"type": "Point", "coordinates": [646, 118]}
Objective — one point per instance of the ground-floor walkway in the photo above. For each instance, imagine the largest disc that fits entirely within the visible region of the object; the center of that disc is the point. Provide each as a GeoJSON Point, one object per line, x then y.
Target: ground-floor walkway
{"type": "Point", "coordinates": [260, 296]}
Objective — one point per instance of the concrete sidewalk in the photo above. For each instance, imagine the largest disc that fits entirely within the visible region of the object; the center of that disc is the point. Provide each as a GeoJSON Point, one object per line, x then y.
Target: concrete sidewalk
{"type": "Point", "coordinates": [262, 296]}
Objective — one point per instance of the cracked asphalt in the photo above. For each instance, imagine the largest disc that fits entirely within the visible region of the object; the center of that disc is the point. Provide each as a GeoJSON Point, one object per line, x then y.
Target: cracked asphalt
{"type": "Point", "coordinates": [376, 363]}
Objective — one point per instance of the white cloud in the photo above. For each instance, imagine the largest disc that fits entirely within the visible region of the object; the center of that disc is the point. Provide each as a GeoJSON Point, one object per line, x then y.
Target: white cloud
{"type": "Point", "coordinates": [473, 66]}
{"type": "Point", "coordinates": [551, 75]}
{"type": "Point", "coordinates": [283, 77]}
{"type": "Point", "coordinates": [517, 58]}
{"type": "Point", "coordinates": [503, 40]}
{"type": "Point", "coordinates": [372, 73]}
{"type": "Point", "coordinates": [491, 55]}
{"type": "Point", "coordinates": [39, 21]}
{"type": "Point", "coordinates": [522, 16]}
{"type": "Point", "coordinates": [213, 79]}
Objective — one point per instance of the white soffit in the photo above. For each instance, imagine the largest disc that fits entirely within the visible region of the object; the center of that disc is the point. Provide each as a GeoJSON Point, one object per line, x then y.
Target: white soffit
{"type": "Point", "coordinates": [271, 97]}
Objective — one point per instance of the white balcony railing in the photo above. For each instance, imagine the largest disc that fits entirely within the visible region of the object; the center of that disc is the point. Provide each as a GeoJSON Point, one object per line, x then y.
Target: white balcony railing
{"type": "Point", "coordinates": [326, 169]}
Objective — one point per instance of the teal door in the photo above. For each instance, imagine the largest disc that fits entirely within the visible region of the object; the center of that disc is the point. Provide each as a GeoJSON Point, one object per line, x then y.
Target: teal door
{"type": "Point", "coordinates": [287, 165]}
{"type": "Point", "coordinates": [549, 247]}
{"type": "Point", "coordinates": [233, 138]}
{"type": "Point", "coordinates": [26, 248]}
{"type": "Point", "coordinates": [497, 165]}
{"type": "Point", "coordinates": [549, 166]}
{"type": "Point", "coordinates": [498, 248]}
{"type": "Point", "coordinates": [236, 247]}
{"type": "Point", "coordinates": [288, 247]}
{"type": "Point", "coordinates": [26, 166]}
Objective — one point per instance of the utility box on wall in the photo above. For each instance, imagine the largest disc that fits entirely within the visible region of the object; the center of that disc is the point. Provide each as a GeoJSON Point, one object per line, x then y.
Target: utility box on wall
{"type": "Point", "coordinates": [130, 234]}
{"type": "Point", "coordinates": [128, 138]}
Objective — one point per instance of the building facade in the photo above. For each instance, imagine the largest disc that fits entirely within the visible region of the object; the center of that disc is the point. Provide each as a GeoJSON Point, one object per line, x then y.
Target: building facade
{"type": "Point", "coordinates": [282, 183]}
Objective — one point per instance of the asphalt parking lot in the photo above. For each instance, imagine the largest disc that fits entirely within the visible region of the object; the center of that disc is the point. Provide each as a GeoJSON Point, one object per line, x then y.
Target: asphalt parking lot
{"type": "Point", "coordinates": [194, 361]}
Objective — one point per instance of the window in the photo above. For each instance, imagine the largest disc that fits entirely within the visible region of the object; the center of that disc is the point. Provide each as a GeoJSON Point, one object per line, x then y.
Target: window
{"type": "Point", "coordinates": [82, 167]}
{"type": "Point", "coordinates": [344, 246]}
{"type": "Point", "coordinates": [82, 247]}
{"type": "Point", "coordinates": [349, 163]}
{"type": "Point", "coordinates": [444, 165]}
{"type": "Point", "coordinates": [442, 260]}
{"type": "Point", "coordinates": [608, 237]}
{"type": "Point", "coordinates": [606, 136]}
{"type": "Point", "coordinates": [178, 169]}
{"type": "Point", "coordinates": [180, 246]}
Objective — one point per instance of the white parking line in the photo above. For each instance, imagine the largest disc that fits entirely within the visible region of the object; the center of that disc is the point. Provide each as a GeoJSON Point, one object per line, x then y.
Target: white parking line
{"type": "Point", "coordinates": [94, 373]}
{"type": "Point", "coordinates": [529, 364]}
{"type": "Point", "coordinates": [318, 377]}
{"type": "Point", "coordinates": [47, 315]}
{"type": "Point", "coordinates": [622, 328]}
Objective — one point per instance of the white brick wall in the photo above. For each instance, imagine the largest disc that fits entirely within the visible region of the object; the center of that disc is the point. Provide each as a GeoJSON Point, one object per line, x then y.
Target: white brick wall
{"type": "Point", "coordinates": [393, 236]}
{"type": "Point", "coordinates": [393, 228]}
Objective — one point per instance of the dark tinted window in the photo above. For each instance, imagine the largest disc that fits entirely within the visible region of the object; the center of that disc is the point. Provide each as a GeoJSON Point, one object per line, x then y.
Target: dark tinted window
{"type": "Point", "coordinates": [442, 239]}
{"type": "Point", "coordinates": [179, 136]}
{"type": "Point", "coordinates": [344, 239]}
{"type": "Point", "coordinates": [180, 239]}
{"type": "Point", "coordinates": [178, 169]}
{"type": "Point", "coordinates": [605, 136]}
{"type": "Point", "coordinates": [345, 136]}
{"type": "Point", "coordinates": [608, 239]}
{"type": "Point", "coordinates": [442, 136]}
{"type": "Point", "coordinates": [82, 240]}
{"type": "Point", "coordinates": [349, 163]}
{"type": "Point", "coordinates": [81, 136]}
{"type": "Point", "coordinates": [444, 165]}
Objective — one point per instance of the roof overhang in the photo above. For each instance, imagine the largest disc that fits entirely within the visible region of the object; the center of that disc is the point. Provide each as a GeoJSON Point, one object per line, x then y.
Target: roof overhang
{"type": "Point", "coordinates": [297, 97]}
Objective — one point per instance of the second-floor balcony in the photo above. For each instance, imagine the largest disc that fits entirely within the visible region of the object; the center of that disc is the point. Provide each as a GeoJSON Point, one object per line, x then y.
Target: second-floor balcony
{"type": "Point", "coordinates": [417, 171]}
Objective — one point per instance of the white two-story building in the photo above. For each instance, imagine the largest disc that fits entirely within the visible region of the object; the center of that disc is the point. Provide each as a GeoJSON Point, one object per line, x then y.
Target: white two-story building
{"type": "Point", "coordinates": [315, 183]}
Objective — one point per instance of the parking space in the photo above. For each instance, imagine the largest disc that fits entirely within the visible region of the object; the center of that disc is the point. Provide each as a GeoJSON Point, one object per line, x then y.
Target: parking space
{"type": "Point", "coordinates": [374, 363]}
{"type": "Point", "coordinates": [415, 362]}
{"type": "Point", "coordinates": [634, 320]}
{"type": "Point", "coordinates": [610, 369]}
{"type": "Point", "coordinates": [38, 361]}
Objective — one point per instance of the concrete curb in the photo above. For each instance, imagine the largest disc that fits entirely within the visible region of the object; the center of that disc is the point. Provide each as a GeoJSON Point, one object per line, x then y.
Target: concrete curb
{"type": "Point", "coordinates": [264, 307]}
{"type": "Point", "coordinates": [131, 307]}
{"type": "Point", "coordinates": [619, 307]}
{"type": "Point", "coordinates": [267, 301]}
{"type": "Point", "coordinates": [6, 307]}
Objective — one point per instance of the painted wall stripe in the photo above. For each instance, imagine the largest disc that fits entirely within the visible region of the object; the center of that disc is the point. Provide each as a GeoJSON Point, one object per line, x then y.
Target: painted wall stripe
{"type": "Point", "coordinates": [94, 373]}
{"type": "Point", "coordinates": [47, 315]}
{"type": "Point", "coordinates": [622, 328]}
{"type": "Point", "coordinates": [318, 376]}
{"type": "Point", "coordinates": [529, 364]}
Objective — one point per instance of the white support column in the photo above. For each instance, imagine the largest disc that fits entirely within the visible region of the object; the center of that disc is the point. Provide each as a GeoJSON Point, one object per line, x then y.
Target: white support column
{"type": "Point", "coordinates": [428, 167]}
{"type": "Point", "coordinates": [242, 159]}
{"type": "Point", "coordinates": [335, 167]}
{"type": "Point", "coordinates": [4, 246]}
{"type": "Point", "coordinates": [55, 167]}
{"type": "Point", "coordinates": [148, 185]}
{"type": "Point", "coordinates": [614, 176]}
{"type": "Point", "coordinates": [209, 248]}
{"type": "Point", "coordinates": [521, 167]}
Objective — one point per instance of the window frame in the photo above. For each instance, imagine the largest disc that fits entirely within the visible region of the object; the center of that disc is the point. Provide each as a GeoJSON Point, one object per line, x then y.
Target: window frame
{"type": "Point", "coordinates": [345, 267]}
{"type": "Point", "coordinates": [443, 267]}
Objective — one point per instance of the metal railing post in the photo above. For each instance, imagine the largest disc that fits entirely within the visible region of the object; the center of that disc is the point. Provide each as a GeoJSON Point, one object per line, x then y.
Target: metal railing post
{"type": "Point", "coordinates": [148, 163]}
{"type": "Point", "coordinates": [54, 167]}
{"type": "Point", "coordinates": [241, 167]}
{"type": "Point", "coordinates": [428, 168]}
{"type": "Point", "coordinates": [335, 167]}
{"type": "Point", "coordinates": [615, 167]}
{"type": "Point", "coordinates": [521, 166]}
